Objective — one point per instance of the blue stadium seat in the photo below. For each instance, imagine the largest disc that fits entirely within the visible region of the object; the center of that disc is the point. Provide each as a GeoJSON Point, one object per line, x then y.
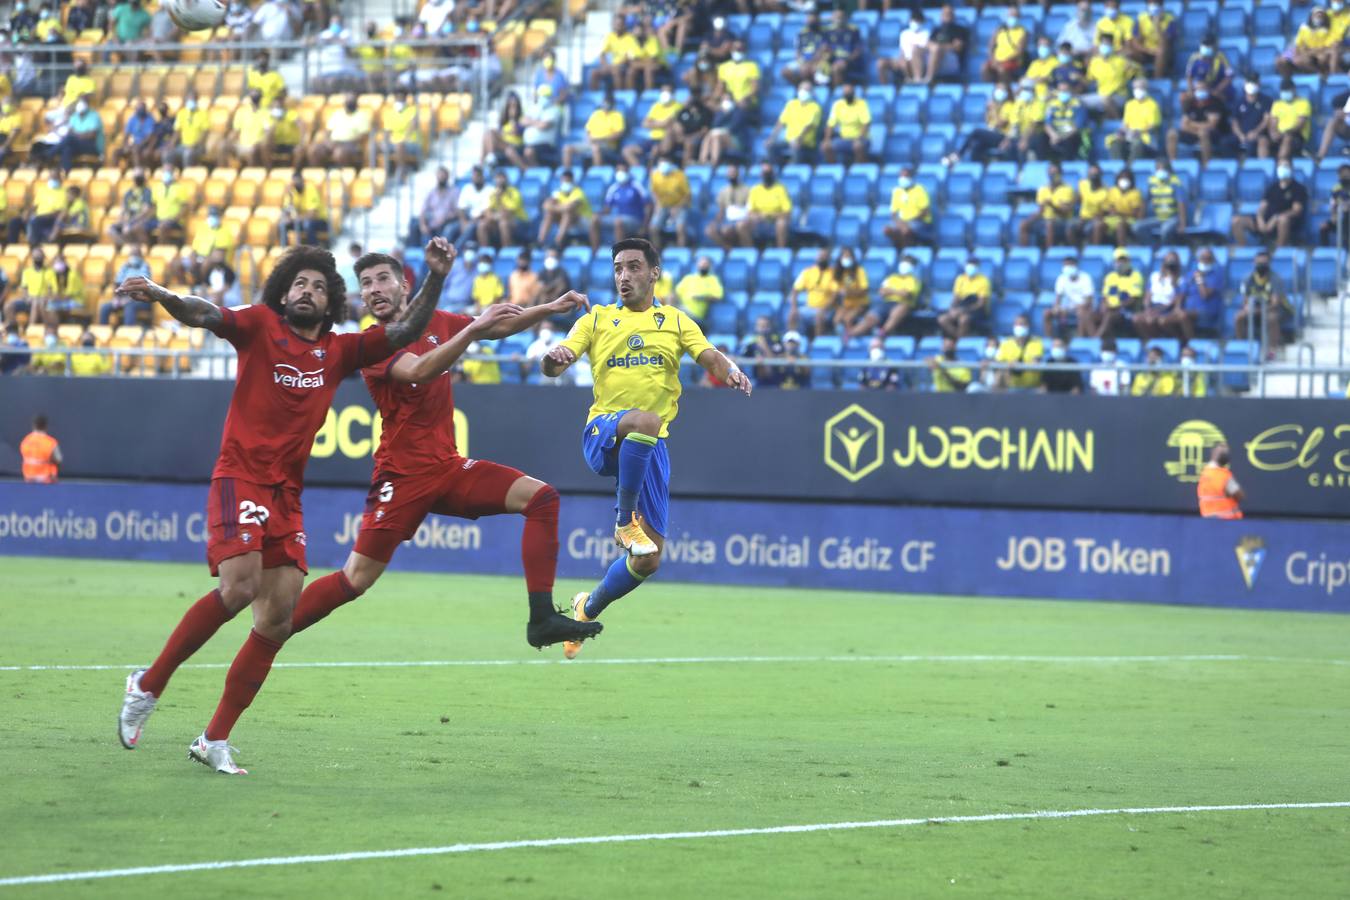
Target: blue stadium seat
{"type": "Point", "coordinates": [817, 225]}
{"type": "Point", "coordinates": [1195, 24]}
{"type": "Point", "coordinates": [909, 105]}
{"type": "Point", "coordinates": [900, 147]}
{"type": "Point", "coordinates": [1232, 22]}
{"type": "Point", "coordinates": [899, 346]}
{"type": "Point", "coordinates": [1268, 19]}
{"type": "Point", "coordinates": [772, 272]}
{"type": "Point", "coordinates": [859, 190]}
{"type": "Point", "coordinates": [849, 228]}
{"type": "Point", "coordinates": [1252, 179]}
{"type": "Point", "coordinates": [952, 226]}
{"type": "Point", "coordinates": [823, 190]}
{"type": "Point", "coordinates": [998, 178]}
{"type": "Point", "coordinates": [1239, 353]}
{"type": "Point", "coordinates": [991, 226]}
{"type": "Point", "coordinates": [1170, 347]}
{"type": "Point", "coordinates": [1085, 349]}
{"type": "Point", "coordinates": [961, 183]}
{"type": "Point", "coordinates": [735, 273]}
{"type": "Point", "coordinates": [1019, 273]}
{"type": "Point", "coordinates": [936, 142]}
{"type": "Point", "coordinates": [761, 38]}
{"type": "Point", "coordinates": [1322, 271]}
{"type": "Point", "coordinates": [724, 317]}
{"type": "Point", "coordinates": [1216, 185]}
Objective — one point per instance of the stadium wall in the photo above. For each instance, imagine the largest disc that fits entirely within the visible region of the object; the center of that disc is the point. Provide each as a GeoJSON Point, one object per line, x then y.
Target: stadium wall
{"type": "Point", "coordinates": [1283, 564]}
{"type": "Point", "coordinates": [1010, 450]}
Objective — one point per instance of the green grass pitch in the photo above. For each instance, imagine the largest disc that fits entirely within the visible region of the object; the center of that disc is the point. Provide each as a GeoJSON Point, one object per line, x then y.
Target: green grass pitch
{"type": "Point", "coordinates": [363, 758]}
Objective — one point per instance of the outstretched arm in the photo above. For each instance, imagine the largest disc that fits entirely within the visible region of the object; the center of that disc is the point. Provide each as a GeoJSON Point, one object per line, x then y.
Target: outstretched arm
{"type": "Point", "coordinates": [413, 369]}
{"type": "Point", "coordinates": [408, 327]}
{"type": "Point", "coordinates": [528, 318]}
{"type": "Point", "coordinates": [716, 364]}
{"type": "Point", "coordinates": [194, 311]}
{"type": "Point", "coordinates": [556, 361]}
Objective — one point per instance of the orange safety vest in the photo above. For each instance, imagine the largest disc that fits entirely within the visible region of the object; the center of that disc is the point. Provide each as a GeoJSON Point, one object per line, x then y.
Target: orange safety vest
{"type": "Point", "coordinates": [37, 450]}
{"type": "Point", "coordinates": [1213, 495]}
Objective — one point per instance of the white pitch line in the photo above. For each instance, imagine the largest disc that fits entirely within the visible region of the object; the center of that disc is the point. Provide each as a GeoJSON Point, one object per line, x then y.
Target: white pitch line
{"type": "Point", "coordinates": [91, 874]}
{"type": "Point", "coordinates": [695, 660]}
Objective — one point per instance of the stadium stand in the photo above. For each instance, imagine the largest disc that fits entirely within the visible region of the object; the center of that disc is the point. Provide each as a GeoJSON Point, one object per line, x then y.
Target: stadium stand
{"type": "Point", "coordinates": [977, 152]}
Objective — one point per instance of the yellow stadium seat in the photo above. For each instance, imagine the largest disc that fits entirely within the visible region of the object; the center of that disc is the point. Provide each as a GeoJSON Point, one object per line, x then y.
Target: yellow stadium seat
{"type": "Point", "coordinates": [244, 192]}
{"type": "Point", "coordinates": [11, 265]}
{"type": "Point", "coordinates": [69, 333]}
{"type": "Point", "coordinates": [122, 83]}
{"type": "Point", "coordinates": [363, 193]}
{"type": "Point", "coordinates": [220, 118]}
{"type": "Point", "coordinates": [205, 82]}
{"type": "Point", "coordinates": [75, 253]}
{"type": "Point", "coordinates": [274, 191]}
{"type": "Point", "coordinates": [261, 229]}
{"type": "Point", "coordinates": [216, 191]}
{"type": "Point", "coordinates": [96, 271]}
{"type": "Point", "coordinates": [33, 334]}
{"type": "Point", "coordinates": [102, 334]}
{"type": "Point", "coordinates": [79, 177]}
{"type": "Point", "coordinates": [175, 83]}
{"type": "Point", "coordinates": [335, 193]}
{"type": "Point", "coordinates": [103, 251]}
{"type": "Point", "coordinates": [233, 82]}
{"type": "Point", "coordinates": [449, 117]}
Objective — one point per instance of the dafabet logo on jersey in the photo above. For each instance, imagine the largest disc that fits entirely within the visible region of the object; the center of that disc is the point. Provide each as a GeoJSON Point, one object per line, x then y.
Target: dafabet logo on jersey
{"type": "Point", "coordinates": [1251, 552]}
{"type": "Point", "coordinates": [855, 442]}
{"type": "Point", "coordinates": [1191, 442]}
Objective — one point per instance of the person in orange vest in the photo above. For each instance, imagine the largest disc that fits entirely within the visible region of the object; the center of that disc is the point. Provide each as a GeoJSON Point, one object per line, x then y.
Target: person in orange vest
{"type": "Point", "coordinates": [1218, 491]}
{"type": "Point", "coordinates": [41, 454]}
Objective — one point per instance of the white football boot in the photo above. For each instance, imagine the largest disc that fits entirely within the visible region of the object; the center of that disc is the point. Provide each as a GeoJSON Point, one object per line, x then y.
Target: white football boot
{"type": "Point", "coordinates": [137, 705]}
{"type": "Point", "coordinates": [215, 754]}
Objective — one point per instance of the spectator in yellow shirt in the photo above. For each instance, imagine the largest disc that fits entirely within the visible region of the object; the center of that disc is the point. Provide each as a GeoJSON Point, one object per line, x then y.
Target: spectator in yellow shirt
{"type": "Point", "coordinates": [646, 60]}
{"type": "Point", "coordinates": [1137, 137]}
{"type": "Point", "coordinates": [37, 287]}
{"type": "Point", "coordinates": [1154, 39]}
{"type": "Point", "coordinates": [799, 125]}
{"type": "Point", "coordinates": [672, 197]}
{"type": "Point", "coordinates": [191, 125]}
{"type": "Point", "coordinates": [481, 371]}
{"type": "Point", "coordinates": [403, 136]}
{"type": "Point", "coordinates": [769, 214]}
{"type": "Point", "coordinates": [656, 125]}
{"type": "Point", "coordinates": [1110, 73]}
{"type": "Point", "coordinates": [505, 221]}
{"type": "Point", "coordinates": [738, 78]}
{"type": "Point", "coordinates": [78, 85]}
{"type": "Point", "coordinates": [1124, 207]}
{"type": "Point", "coordinates": [247, 130]}
{"type": "Point", "coordinates": [1016, 351]}
{"type": "Point", "coordinates": [49, 200]}
{"type": "Point", "coordinates": [848, 124]}
{"type": "Point", "coordinates": [1113, 28]}
{"type": "Point", "coordinates": [821, 288]}
{"type": "Point", "coordinates": [911, 212]}
{"type": "Point", "coordinates": [303, 213]}
{"type": "Point", "coordinates": [696, 290]}
{"type": "Point", "coordinates": [1041, 71]}
{"type": "Point", "coordinates": [949, 378]}
{"type": "Point", "coordinates": [348, 133]}
{"type": "Point", "coordinates": [1316, 48]}
{"type": "Point", "coordinates": [1122, 295]}
{"type": "Point", "coordinates": [1155, 381]}
{"type": "Point", "coordinates": [1290, 122]}
{"type": "Point", "coordinates": [604, 132]}
{"type": "Point", "coordinates": [616, 53]}
{"type": "Point", "coordinates": [285, 134]}
{"type": "Point", "coordinates": [855, 298]}
{"type": "Point", "coordinates": [566, 207]}
{"type": "Point", "coordinates": [487, 287]}
{"type": "Point", "coordinates": [265, 80]}
{"type": "Point", "coordinates": [171, 199]}
{"type": "Point", "coordinates": [11, 124]}
{"type": "Point", "coordinates": [72, 225]}
{"type": "Point", "coordinates": [971, 294]}
{"type": "Point", "coordinates": [67, 301]}
{"type": "Point", "coordinates": [89, 363]}
{"type": "Point", "coordinates": [899, 296]}
{"type": "Point", "coordinates": [1054, 210]}
{"type": "Point", "coordinates": [1007, 49]}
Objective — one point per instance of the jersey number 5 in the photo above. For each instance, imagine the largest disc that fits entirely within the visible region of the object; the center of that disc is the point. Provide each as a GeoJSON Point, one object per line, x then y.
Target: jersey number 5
{"type": "Point", "coordinates": [251, 513]}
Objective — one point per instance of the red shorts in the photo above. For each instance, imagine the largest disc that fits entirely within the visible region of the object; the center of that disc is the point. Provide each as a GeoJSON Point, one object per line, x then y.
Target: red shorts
{"type": "Point", "coordinates": [246, 518]}
{"type": "Point", "coordinates": [397, 504]}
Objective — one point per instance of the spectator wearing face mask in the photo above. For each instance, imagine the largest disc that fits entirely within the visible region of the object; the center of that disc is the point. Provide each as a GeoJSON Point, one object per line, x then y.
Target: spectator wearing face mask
{"type": "Point", "coordinates": [794, 375]}
{"type": "Point", "coordinates": [220, 285]}
{"type": "Point", "coordinates": [554, 282]}
{"type": "Point", "coordinates": [738, 78]}
{"type": "Point", "coordinates": [821, 288]}
{"type": "Point", "coordinates": [1061, 381]}
{"type": "Point", "coordinates": [690, 128]}
{"type": "Point", "coordinates": [67, 302]}
{"type": "Point", "coordinates": [1137, 137]}
{"type": "Point", "coordinates": [505, 221]}
{"type": "Point", "coordinates": [654, 130]}
{"type": "Point", "coordinates": [899, 296]}
{"type": "Point", "coordinates": [989, 376]}
{"type": "Point", "coordinates": [1075, 299]}
{"type": "Point", "coordinates": [626, 207]}
{"type": "Point", "coordinates": [15, 360]}
{"type": "Point", "coordinates": [1339, 208]}
{"type": "Point", "coordinates": [347, 135]}
{"type": "Point", "coordinates": [671, 199]}
{"type": "Point", "coordinates": [912, 62]}
{"type": "Point", "coordinates": [1202, 298]}
{"type": "Point", "coordinates": [844, 42]}
{"type": "Point", "coordinates": [764, 344]}
{"type": "Point", "coordinates": [265, 80]}
{"type": "Point", "coordinates": [73, 224]}
{"type": "Point", "coordinates": [847, 127]}
{"type": "Point", "coordinates": [770, 212]}
{"type": "Point", "coordinates": [604, 133]}
{"type": "Point", "coordinates": [191, 125]}
{"type": "Point", "coordinates": [136, 213]}
{"type": "Point", "coordinates": [646, 59]}
{"type": "Point", "coordinates": [949, 378]}
{"type": "Point", "coordinates": [911, 212]}
{"type": "Point", "coordinates": [1007, 48]}
{"type": "Point", "coordinates": [52, 358]}
{"type": "Point", "coordinates": [506, 142]}
{"type": "Point", "coordinates": [213, 234]}
{"type": "Point", "coordinates": [487, 287]}
{"type": "Point", "coordinates": [129, 22]}
{"type": "Point", "coordinates": [541, 128]}
{"type": "Point", "coordinates": [855, 298]}
{"type": "Point", "coordinates": [474, 200]}
{"type": "Point", "coordinates": [971, 295]}
{"type": "Point", "coordinates": [877, 377]}
{"type": "Point", "coordinates": [84, 135]}
{"type": "Point", "coordinates": [1112, 27]}
{"type": "Point", "coordinates": [733, 201]}
{"type": "Point", "coordinates": [1166, 207]}
{"type": "Point", "coordinates": [567, 207]}
{"type": "Point", "coordinates": [1265, 303]}
{"type": "Point", "coordinates": [1279, 218]}
{"type": "Point", "coordinates": [248, 128]}
{"type": "Point", "coordinates": [1041, 71]}
{"type": "Point", "coordinates": [1162, 301]}
{"type": "Point", "coordinates": [89, 363]}
{"type": "Point", "coordinates": [1250, 123]}
{"type": "Point", "coordinates": [439, 216]}
{"type": "Point", "coordinates": [727, 134]}
{"type": "Point", "coordinates": [1155, 38]}
{"type": "Point", "coordinates": [998, 137]}
{"type": "Point", "coordinates": [1110, 73]}
{"type": "Point", "coordinates": [120, 310]}
{"type": "Point", "coordinates": [1110, 379]}
{"type": "Point", "coordinates": [1208, 68]}
{"type": "Point", "coordinates": [698, 289]}
{"type": "Point", "coordinates": [1124, 208]}
{"type": "Point", "coordinates": [1080, 32]}
{"type": "Point", "coordinates": [304, 214]}
{"type": "Point", "coordinates": [811, 53]}
{"type": "Point", "coordinates": [522, 285]}
{"type": "Point", "coordinates": [457, 294]}
{"type": "Point", "coordinates": [136, 137]}
{"type": "Point", "coordinates": [403, 134]}
{"type": "Point", "coordinates": [1122, 295]}
{"type": "Point", "coordinates": [1054, 211]}
{"type": "Point", "coordinates": [1017, 351]}
{"type": "Point", "coordinates": [171, 198]}
{"type": "Point", "coordinates": [37, 287]}
{"type": "Point", "coordinates": [1290, 122]}
{"type": "Point", "coordinates": [1064, 135]}
{"type": "Point", "coordinates": [799, 126]}
{"type": "Point", "coordinates": [1316, 49]}
{"type": "Point", "coordinates": [616, 54]}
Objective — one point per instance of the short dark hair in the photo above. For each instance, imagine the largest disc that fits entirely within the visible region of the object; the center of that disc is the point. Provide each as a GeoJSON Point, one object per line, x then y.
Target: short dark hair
{"type": "Point", "coordinates": [636, 243]}
{"type": "Point", "coordinates": [292, 263]}
{"type": "Point", "coordinates": [371, 260]}
{"type": "Point", "coordinates": [40, 422]}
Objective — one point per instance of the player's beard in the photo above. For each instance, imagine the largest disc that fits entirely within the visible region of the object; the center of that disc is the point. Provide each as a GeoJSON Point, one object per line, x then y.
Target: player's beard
{"type": "Point", "coordinates": [307, 318]}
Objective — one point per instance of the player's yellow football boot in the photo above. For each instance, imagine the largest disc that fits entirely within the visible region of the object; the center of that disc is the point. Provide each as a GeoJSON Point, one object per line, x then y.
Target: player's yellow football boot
{"type": "Point", "coordinates": [632, 538]}
{"type": "Point", "coordinates": [572, 648]}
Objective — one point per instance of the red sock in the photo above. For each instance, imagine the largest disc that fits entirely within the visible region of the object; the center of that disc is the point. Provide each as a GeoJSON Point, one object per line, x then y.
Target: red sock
{"type": "Point", "coordinates": [539, 541]}
{"type": "Point", "coordinates": [202, 620]}
{"type": "Point", "coordinates": [322, 596]}
{"type": "Point", "coordinates": [242, 683]}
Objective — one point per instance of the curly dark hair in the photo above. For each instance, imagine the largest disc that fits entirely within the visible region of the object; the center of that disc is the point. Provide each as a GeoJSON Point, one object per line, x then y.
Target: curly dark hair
{"type": "Point", "coordinates": [292, 263]}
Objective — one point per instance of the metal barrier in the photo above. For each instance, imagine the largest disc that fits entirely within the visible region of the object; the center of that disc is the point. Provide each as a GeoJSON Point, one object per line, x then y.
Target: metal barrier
{"type": "Point", "coordinates": [219, 363]}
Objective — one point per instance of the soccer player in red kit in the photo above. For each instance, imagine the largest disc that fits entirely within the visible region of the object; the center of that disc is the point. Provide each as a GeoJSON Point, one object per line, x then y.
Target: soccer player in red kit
{"type": "Point", "coordinates": [290, 365]}
{"type": "Point", "coordinates": [418, 469]}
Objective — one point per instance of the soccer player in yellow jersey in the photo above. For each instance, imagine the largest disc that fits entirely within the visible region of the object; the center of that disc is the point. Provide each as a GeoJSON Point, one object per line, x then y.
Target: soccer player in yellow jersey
{"type": "Point", "coordinates": [634, 348]}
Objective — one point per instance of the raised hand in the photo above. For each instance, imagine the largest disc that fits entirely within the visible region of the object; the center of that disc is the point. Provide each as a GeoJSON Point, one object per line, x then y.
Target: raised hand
{"type": "Point", "coordinates": [570, 301]}
{"type": "Point", "coordinates": [142, 289]}
{"type": "Point", "coordinates": [440, 256]}
{"type": "Point", "coordinates": [494, 315]}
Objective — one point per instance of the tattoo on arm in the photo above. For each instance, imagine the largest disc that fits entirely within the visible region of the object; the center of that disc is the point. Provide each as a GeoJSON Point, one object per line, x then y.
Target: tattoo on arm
{"type": "Point", "coordinates": [410, 325]}
{"type": "Point", "coordinates": [195, 311]}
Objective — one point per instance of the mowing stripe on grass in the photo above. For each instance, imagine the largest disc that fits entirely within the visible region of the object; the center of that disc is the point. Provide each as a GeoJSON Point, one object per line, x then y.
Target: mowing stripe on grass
{"type": "Point", "coordinates": [639, 838]}
{"type": "Point", "coordinates": [694, 660]}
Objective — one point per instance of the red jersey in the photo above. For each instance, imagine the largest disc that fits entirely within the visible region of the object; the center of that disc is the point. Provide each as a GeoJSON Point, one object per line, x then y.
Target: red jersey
{"type": "Point", "coordinates": [282, 392]}
{"type": "Point", "coordinates": [419, 419]}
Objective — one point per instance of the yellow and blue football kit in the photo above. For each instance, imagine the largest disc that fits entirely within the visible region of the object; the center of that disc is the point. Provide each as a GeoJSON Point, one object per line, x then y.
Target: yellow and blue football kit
{"type": "Point", "coordinates": [635, 362]}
